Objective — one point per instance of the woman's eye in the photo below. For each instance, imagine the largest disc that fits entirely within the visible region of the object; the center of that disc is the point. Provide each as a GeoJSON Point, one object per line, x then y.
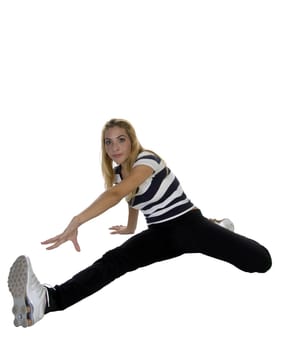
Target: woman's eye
{"type": "Point", "coordinates": [122, 139]}
{"type": "Point", "coordinates": [107, 142]}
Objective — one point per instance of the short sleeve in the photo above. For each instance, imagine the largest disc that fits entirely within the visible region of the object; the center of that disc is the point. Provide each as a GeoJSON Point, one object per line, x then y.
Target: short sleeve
{"type": "Point", "coordinates": [151, 160]}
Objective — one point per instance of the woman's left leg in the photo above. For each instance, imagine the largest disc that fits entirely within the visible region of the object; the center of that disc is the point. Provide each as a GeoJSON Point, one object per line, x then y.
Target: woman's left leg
{"type": "Point", "coordinates": [215, 241]}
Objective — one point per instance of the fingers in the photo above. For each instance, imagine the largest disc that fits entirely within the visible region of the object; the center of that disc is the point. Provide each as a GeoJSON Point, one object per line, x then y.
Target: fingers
{"type": "Point", "coordinates": [55, 241]}
{"type": "Point", "coordinates": [116, 227]}
{"type": "Point", "coordinates": [60, 239]}
{"type": "Point", "coordinates": [76, 244]}
{"type": "Point", "coordinates": [51, 240]}
{"type": "Point", "coordinates": [120, 230]}
{"type": "Point", "coordinates": [55, 245]}
{"type": "Point", "coordinates": [69, 234]}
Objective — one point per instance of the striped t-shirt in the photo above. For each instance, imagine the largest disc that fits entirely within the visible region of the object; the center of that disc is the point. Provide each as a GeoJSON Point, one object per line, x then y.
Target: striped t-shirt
{"type": "Point", "coordinates": [160, 197]}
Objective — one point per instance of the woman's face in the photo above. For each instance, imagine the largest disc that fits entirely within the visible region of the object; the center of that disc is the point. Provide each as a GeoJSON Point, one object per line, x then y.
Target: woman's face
{"type": "Point", "coordinates": [117, 144]}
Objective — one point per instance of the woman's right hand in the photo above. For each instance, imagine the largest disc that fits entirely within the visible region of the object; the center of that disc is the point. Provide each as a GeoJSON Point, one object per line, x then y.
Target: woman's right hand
{"type": "Point", "coordinates": [69, 234]}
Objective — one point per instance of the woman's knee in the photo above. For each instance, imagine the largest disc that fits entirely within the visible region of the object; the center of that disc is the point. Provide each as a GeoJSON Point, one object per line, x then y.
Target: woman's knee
{"type": "Point", "coordinates": [267, 261]}
{"type": "Point", "coordinates": [260, 262]}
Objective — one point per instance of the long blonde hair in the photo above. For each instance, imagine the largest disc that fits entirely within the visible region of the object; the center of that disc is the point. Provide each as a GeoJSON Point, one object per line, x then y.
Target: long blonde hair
{"type": "Point", "coordinates": [136, 148]}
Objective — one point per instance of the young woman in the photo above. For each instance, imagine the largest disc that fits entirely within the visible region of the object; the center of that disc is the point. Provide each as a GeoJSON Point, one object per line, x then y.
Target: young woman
{"type": "Point", "coordinates": [175, 227]}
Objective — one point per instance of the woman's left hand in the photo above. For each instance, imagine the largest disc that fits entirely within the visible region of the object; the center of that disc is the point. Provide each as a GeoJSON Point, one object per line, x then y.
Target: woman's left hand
{"type": "Point", "coordinates": [121, 230]}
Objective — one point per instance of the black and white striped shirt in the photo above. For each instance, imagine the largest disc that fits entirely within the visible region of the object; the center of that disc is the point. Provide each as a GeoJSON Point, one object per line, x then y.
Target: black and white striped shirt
{"type": "Point", "coordinates": [160, 197]}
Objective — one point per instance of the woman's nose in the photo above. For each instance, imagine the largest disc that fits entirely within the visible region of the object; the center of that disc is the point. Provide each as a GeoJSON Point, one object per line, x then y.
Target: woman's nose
{"type": "Point", "coordinates": [115, 146]}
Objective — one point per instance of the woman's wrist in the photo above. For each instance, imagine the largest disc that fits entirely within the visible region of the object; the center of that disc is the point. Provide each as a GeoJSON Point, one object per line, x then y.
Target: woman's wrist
{"type": "Point", "coordinates": [131, 229]}
{"type": "Point", "coordinates": [77, 221]}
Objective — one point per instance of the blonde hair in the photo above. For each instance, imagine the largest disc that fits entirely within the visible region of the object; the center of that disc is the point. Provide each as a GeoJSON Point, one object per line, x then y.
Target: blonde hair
{"type": "Point", "coordinates": [107, 163]}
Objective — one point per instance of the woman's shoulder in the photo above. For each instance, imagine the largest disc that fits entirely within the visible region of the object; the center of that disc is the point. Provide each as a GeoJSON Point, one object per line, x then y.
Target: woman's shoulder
{"type": "Point", "coordinates": [151, 159]}
{"type": "Point", "coordinates": [147, 154]}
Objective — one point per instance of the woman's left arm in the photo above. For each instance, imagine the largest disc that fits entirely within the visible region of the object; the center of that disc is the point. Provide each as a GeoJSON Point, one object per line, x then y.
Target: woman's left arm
{"type": "Point", "coordinates": [131, 223]}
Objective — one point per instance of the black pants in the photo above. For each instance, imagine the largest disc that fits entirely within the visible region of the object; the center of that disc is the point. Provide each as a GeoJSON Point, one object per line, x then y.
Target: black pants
{"type": "Point", "coordinates": [190, 233]}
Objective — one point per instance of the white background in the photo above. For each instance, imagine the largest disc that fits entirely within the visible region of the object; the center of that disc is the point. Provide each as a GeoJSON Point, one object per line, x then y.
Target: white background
{"type": "Point", "coordinates": [202, 82]}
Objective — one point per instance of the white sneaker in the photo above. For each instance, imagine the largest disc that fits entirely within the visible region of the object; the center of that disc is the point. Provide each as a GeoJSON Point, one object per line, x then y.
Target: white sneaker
{"type": "Point", "coordinates": [30, 297]}
{"type": "Point", "coordinates": [227, 223]}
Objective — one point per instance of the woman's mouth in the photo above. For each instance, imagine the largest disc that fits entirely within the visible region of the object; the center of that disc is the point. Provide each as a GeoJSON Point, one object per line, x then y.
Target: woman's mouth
{"type": "Point", "coordinates": [115, 156]}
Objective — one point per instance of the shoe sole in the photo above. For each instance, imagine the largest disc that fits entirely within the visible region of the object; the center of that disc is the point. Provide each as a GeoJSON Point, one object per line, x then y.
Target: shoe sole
{"type": "Point", "coordinates": [17, 283]}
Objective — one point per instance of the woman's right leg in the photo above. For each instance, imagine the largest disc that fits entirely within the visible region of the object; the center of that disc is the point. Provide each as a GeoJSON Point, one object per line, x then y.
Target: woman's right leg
{"type": "Point", "coordinates": [143, 249]}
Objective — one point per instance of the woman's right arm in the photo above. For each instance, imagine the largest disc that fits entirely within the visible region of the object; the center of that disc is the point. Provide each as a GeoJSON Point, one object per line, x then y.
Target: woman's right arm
{"type": "Point", "coordinates": [104, 202]}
